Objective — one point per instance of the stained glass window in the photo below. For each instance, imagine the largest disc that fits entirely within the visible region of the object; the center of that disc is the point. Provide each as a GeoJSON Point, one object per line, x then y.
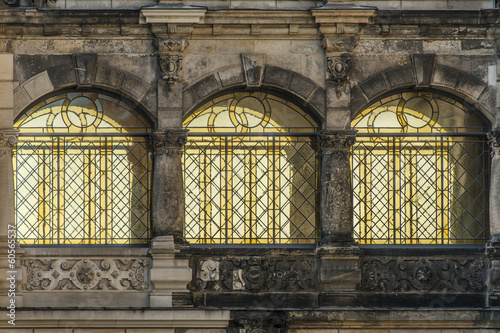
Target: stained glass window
{"type": "Point", "coordinates": [420, 171]}
{"type": "Point", "coordinates": [251, 171]}
{"type": "Point", "coordinates": [83, 171]}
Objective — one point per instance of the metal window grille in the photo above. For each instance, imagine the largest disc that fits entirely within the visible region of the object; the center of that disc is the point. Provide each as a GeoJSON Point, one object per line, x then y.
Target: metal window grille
{"type": "Point", "coordinates": [83, 171]}
{"type": "Point", "coordinates": [251, 189]}
{"type": "Point", "coordinates": [421, 188]}
{"type": "Point", "coordinates": [88, 189]}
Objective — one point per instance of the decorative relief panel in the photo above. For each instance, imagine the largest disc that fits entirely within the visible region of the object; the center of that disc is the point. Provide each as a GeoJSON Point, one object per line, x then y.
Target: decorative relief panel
{"type": "Point", "coordinates": [439, 275]}
{"type": "Point", "coordinates": [86, 274]}
{"type": "Point", "coordinates": [257, 274]}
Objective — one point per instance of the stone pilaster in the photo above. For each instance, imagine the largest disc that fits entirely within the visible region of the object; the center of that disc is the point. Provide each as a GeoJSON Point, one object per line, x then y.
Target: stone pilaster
{"type": "Point", "coordinates": [493, 245]}
{"type": "Point", "coordinates": [336, 196]}
{"type": "Point", "coordinates": [8, 140]}
{"type": "Point", "coordinates": [338, 252]}
{"type": "Point", "coordinates": [10, 251]}
{"type": "Point", "coordinates": [168, 189]}
{"type": "Point", "coordinates": [494, 140]}
{"type": "Point", "coordinates": [336, 190]}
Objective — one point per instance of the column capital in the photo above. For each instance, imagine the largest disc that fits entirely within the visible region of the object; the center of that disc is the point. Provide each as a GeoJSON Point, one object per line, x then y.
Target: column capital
{"type": "Point", "coordinates": [337, 140]}
{"type": "Point", "coordinates": [8, 140]}
{"type": "Point", "coordinates": [169, 141]}
{"type": "Point", "coordinates": [494, 142]}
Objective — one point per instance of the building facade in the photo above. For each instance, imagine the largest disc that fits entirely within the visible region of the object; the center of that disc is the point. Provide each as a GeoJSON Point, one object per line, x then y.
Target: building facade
{"type": "Point", "coordinates": [249, 166]}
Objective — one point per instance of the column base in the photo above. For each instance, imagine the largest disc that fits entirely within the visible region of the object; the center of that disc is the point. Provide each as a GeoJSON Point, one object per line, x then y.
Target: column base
{"type": "Point", "coordinates": [338, 244]}
{"type": "Point", "coordinates": [168, 274]}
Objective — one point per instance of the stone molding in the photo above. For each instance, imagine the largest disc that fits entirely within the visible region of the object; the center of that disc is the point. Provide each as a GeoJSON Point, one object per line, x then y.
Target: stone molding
{"type": "Point", "coordinates": [172, 15]}
{"type": "Point", "coordinates": [124, 274]}
{"type": "Point", "coordinates": [424, 275]}
{"type": "Point", "coordinates": [112, 319]}
{"type": "Point", "coordinates": [169, 142]}
{"type": "Point", "coordinates": [331, 15]}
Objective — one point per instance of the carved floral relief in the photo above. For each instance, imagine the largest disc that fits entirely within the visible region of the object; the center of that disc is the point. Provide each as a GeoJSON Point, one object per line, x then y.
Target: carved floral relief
{"type": "Point", "coordinates": [86, 274]}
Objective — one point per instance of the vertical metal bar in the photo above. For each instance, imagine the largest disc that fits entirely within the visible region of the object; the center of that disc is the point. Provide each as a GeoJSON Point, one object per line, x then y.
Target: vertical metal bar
{"type": "Point", "coordinates": [442, 190]}
{"type": "Point", "coordinates": [58, 177]}
{"type": "Point", "coordinates": [394, 187]}
{"type": "Point", "coordinates": [486, 182]}
{"type": "Point", "coordinates": [225, 188]}
{"type": "Point", "coordinates": [273, 161]}
{"type": "Point", "coordinates": [106, 190]}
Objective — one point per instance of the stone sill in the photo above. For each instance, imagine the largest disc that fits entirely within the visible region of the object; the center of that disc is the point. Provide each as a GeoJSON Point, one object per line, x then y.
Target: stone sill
{"type": "Point", "coordinates": [136, 318]}
{"type": "Point", "coordinates": [85, 251]}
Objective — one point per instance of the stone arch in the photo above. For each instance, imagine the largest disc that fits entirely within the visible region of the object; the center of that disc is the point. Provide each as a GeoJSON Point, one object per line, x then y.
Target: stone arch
{"type": "Point", "coordinates": [461, 84]}
{"type": "Point", "coordinates": [111, 79]}
{"type": "Point", "coordinates": [306, 92]}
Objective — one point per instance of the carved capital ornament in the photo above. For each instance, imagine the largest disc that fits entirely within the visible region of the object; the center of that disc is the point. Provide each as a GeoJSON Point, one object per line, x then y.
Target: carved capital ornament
{"type": "Point", "coordinates": [169, 142]}
{"type": "Point", "coordinates": [337, 140]}
{"type": "Point", "coordinates": [8, 141]}
{"type": "Point", "coordinates": [494, 141]}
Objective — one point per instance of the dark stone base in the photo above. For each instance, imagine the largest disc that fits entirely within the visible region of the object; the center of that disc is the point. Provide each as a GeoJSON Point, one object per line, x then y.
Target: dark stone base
{"type": "Point", "coordinates": [274, 300]}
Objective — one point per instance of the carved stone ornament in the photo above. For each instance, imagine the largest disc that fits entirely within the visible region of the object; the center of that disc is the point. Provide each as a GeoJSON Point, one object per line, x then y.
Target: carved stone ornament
{"type": "Point", "coordinates": [170, 58]}
{"type": "Point", "coordinates": [169, 142]}
{"type": "Point", "coordinates": [258, 322]}
{"type": "Point", "coordinates": [8, 141]}
{"type": "Point", "coordinates": [494, 141]}
{"type": "Point", "coordinates": [253, 66]}
{"type": "Point", "coordinates": [338, 67]}
{"type": "Point", "coordinates": [256, 274]}
{"type": "Point", "coordinates": [339, 142]}
{"type": "Point", "coordinates": [437, 275]}
{"type": "Point", "coordinates": [171, 66]}
{"type": "Point", "coordinates": [86, 274]}
{"type": "Point", "coordinates": [338, 45]}
{"type": "Point", "coordinates": [171, 44]}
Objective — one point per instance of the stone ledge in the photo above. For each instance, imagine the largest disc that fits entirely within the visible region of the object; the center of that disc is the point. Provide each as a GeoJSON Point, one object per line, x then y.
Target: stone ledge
{"type": "Point", "coordinates": [101, 318]}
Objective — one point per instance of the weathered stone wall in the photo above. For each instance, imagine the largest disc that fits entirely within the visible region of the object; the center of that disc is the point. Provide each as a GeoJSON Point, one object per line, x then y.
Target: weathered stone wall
{"type": "Point", "coordinates": [168, 61]}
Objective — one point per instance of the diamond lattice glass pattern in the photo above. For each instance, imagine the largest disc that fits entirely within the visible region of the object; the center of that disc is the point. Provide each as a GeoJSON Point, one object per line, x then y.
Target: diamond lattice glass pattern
{"type": "Point", "coordinates": [82, 177]}
{"type": "Point", "coordinates": [420, 172]}
{"type": "Point", "coordinates": [257, 185]}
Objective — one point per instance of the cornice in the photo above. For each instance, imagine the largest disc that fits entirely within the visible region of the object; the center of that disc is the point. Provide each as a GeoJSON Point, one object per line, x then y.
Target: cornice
{"type": "Point", "coordinates": [254, 16]}
{"type": "Point", "coordinates": [172, 15]}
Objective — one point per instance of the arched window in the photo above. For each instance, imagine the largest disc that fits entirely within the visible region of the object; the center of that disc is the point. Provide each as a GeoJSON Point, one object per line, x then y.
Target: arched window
{"type": "Point", "coordinates": [251, 171]}
{"type": "Point", "coordinates": [83, 171]}
{"type": "Point", "coordinates": [420, 171]}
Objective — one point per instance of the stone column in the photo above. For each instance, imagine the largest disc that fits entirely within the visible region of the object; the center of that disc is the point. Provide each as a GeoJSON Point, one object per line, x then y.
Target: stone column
{"type": "Point", "coordinates": [336, 188]}
{"type": "Point", "coordinates": [168, 189]}
{"type": "Point", "coordinates": [494, 140]}
{"type": "Point", "coordinates": [493, 245]}
{"type": "Point", "coordinates": [8, 140]}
